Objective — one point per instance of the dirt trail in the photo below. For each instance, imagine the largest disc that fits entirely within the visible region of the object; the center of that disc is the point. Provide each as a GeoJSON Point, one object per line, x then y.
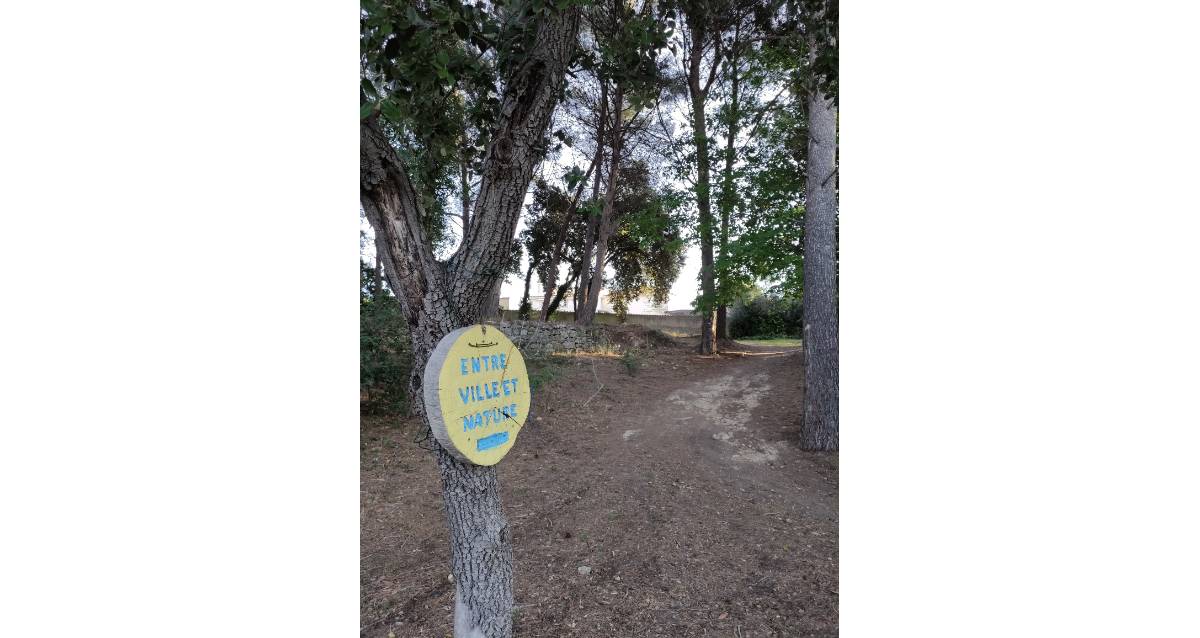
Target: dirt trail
{"type": "Point", "coordinates": [680, 488]}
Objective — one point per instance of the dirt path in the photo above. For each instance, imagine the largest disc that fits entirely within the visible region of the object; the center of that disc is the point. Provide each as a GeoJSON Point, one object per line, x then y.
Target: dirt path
{"type": "Point", "coordinates": [679, 488]}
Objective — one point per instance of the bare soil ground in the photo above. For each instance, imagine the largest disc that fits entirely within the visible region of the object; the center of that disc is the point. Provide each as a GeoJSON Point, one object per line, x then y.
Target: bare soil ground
{"type": "Point", "coordinates": [681, 488]}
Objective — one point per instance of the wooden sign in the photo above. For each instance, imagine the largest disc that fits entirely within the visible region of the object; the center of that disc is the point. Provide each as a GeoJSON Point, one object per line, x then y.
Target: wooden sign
{"type": "Point", "coordinates": [476, 393]}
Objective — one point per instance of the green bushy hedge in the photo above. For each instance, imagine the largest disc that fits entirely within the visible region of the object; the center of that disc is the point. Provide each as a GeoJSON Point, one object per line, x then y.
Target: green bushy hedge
{"type": "Point", "coordinates": [766, 316]}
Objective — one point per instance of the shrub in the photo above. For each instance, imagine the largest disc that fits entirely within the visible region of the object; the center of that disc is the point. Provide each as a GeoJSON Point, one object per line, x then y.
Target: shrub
{"type": "Point", "coordinates": [766, 316]}
{"type": "Point", "coordinates": [632, 362]}
{"type": "Point", "coordinates": [384, 353]}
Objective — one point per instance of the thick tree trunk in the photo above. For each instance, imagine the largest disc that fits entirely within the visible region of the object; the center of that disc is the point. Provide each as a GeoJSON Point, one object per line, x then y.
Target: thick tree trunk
{"type": "Point", "coordinates": [492, 309]}
{"type": "Point", "coordinates": [438, 297]}
{"type": "Point", "coordinates": [820, 428]}
{"type": "Point", "coordinates": [708, 315]}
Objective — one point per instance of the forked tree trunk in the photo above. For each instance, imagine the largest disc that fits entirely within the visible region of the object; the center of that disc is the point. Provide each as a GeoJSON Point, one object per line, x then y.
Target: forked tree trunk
{"type": "Point", "coordinates": [439, 296]}
{"type": "Point", "coordinates": [820, 428]}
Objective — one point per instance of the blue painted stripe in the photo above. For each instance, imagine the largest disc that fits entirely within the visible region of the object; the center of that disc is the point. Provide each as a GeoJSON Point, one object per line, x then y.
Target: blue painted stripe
{"type": "Point", "coordinates": [489, 442]}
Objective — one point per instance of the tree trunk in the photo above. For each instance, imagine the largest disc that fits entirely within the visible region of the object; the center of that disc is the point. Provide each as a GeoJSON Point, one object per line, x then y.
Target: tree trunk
{"type": "Point", "coordinates": [727, 198]}
{"type": "Point", "coordinates": [820, 428]}
{"type": "Point", "coordinates": [562, 290]}
{"type": "Point", "coordinates": [437, 297]}
{"type": "Point", "coordinates": [587, 313]}
{"type": "Point", "coordinates": [492, 310]}
{"type": "Point", "coordinates": [589, 235]}
{"type": "Point", "coordinates": [708, 316]}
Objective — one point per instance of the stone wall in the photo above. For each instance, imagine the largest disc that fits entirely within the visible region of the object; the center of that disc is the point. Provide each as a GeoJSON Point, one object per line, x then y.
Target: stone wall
{"type": "Point", "coordinates": [536, 338]}
{"type": "Point", "coordinates": [685, 324]}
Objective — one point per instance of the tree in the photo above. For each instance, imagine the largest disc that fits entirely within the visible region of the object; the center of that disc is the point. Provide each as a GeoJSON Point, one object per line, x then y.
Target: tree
{"type": "Point", "coordinates": [415, 59]}
{"type": "Point", "coordinates": [549, 223]}
{"type": "Point", "coordinates": [647, 251]}
{"type": "Point", "coordinates": [704, 37]}
{"type": "Point", "coordinates": [820, 428]}
{"type": "Point", "coordinates": [627, 41]}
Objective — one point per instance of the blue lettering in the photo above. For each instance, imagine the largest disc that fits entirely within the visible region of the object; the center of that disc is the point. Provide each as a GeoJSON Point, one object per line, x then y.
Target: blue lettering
{"type": "Point", "coordinates": [503, 363]}
{"type": "Point", "coordinates": [495, 388]}
{"type": "Point", "coordinates": [475, 364]}
{"type": "Point", "coordinates": [472, 421]}
{"type": "Point", "coordinates": [495, 362]}
{"type": "Point", "coordinates": [464, 394]}
{"type": "Point", "coordinates": [464, 366]}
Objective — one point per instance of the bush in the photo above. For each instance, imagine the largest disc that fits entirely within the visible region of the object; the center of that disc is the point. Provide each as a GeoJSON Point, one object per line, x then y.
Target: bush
{"type": "Point", "coordinates": [632, 362]}
{"type": "Point", "coordinates": [766, 316]}
{"type": "Point", "coordinates": [384, 353]}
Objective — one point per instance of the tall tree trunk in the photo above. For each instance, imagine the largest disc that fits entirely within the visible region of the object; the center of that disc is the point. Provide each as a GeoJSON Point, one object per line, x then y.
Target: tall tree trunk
{"type": "Point", "coordinates": [587, 313]}
{"type": "Point", "coordinates": [708, 316]}
{"type": "Point", "coordinates": [820, 428]}
{"type": "Point", "coordinates": [589, 235]}
{"type": "Point", "coordinates": [727, 198]}
{"type": "Point", "coordinates": [440, 296]}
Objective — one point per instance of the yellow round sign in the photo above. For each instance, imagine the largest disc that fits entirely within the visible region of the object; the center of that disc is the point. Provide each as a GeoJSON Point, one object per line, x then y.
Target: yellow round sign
{"type": "Point", "coordinates": [476, 393]}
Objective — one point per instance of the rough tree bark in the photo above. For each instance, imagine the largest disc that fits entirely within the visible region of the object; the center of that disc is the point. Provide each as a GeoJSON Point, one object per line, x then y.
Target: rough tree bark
{"type": "Point", "coordinates": [440, 296]}
{"type": "Point", "coordinates": [820, 428]}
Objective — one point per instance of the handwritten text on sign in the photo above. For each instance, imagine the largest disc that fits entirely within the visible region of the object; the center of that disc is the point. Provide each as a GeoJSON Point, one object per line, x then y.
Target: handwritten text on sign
{"type": "Point", "coordinates": [476, 393]}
